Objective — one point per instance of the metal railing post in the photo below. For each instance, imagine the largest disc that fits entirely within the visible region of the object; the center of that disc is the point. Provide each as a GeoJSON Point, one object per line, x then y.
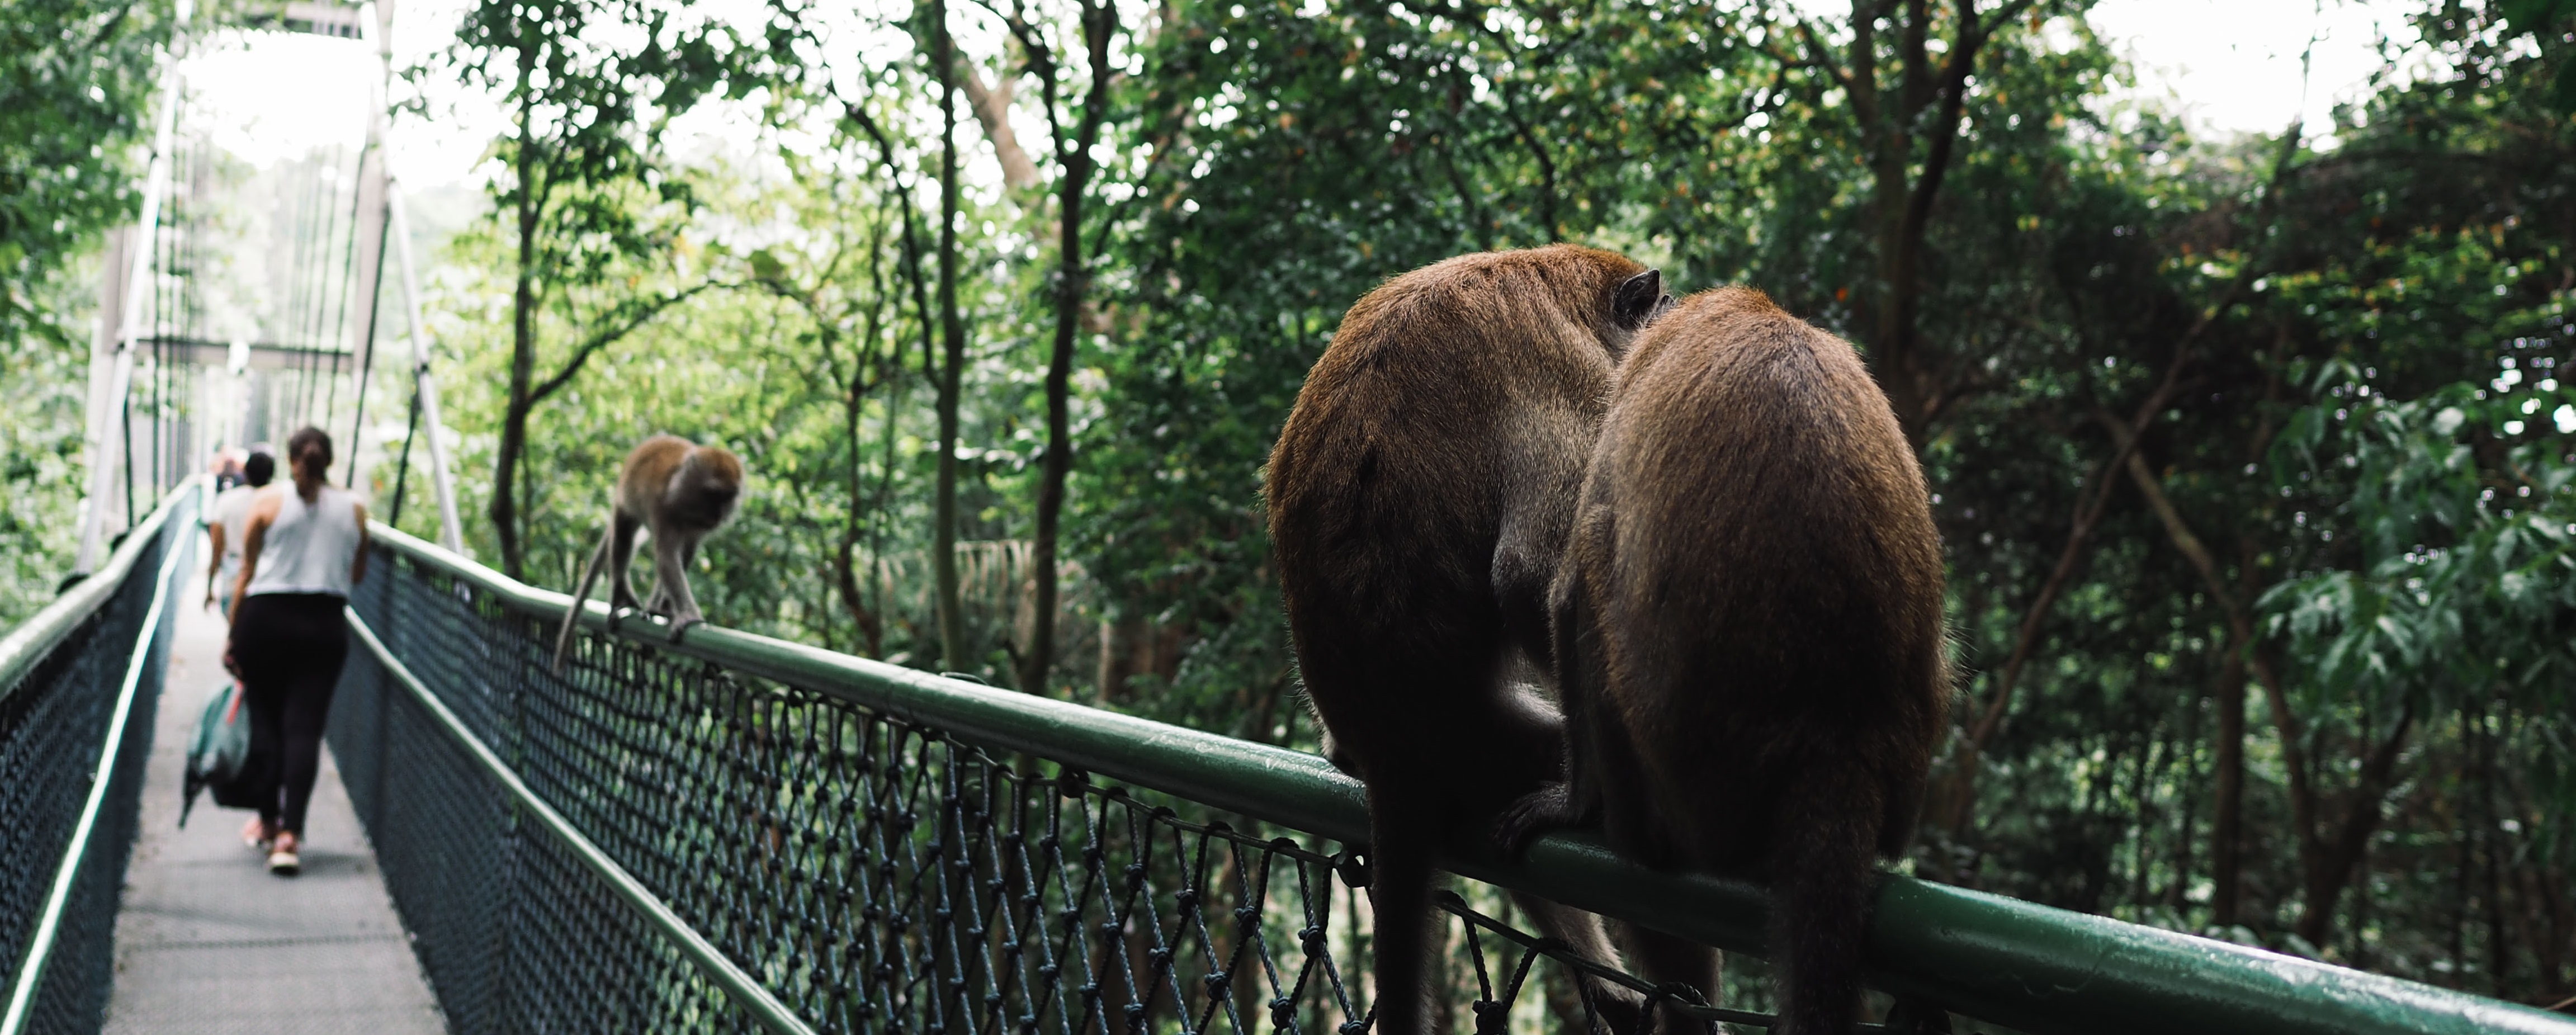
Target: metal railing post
{"type": "Point", "coordinates": [441, 481]}
{"type": "Point", "coordinates": [368, 250]}
{"type": "Point", "coordinates": [106, 427]}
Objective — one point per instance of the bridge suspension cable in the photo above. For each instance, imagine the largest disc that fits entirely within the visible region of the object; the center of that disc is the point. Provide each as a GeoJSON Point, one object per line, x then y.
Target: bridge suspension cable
{"type": "Point", "coordinates": [323, 330]}
{"type": "Point", "coordinates": [104, 436]}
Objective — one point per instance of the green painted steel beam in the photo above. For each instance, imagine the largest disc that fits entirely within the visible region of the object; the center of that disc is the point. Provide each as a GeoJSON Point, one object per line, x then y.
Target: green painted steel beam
{"type": "Point", "coordinates": [2032, 967]}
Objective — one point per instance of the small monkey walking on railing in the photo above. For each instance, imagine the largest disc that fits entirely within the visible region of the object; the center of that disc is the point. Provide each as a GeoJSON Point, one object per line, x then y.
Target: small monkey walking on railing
{"type": "Point", "coordinates": [680, 492]}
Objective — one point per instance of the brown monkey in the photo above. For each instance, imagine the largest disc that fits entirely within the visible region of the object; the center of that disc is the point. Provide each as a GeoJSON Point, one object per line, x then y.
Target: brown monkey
{"type": "Point", "coordinates": [1749, 634]}
{"type": "Point", "coordinates": [678, 491]}
{"type": "Point", "coordinates": [1419, 496]}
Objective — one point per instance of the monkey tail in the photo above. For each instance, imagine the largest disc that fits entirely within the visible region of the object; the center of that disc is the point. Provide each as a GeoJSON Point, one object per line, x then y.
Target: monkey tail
{"type": "Point", "coordinates": [1823, 881]}
{"type": "Point", "coordinates": [1400, 895]}
{"type": "Point", "coordinates": [581, 592]}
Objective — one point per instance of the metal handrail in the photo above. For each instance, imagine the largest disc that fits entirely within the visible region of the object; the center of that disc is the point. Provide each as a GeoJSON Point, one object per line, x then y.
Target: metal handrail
{"type": "Point", "coordinates": [35, 638]}
{"type": "Point", "coordinates": [31, 970]}
{"type": "Point", "coordinates": [1999, 959]}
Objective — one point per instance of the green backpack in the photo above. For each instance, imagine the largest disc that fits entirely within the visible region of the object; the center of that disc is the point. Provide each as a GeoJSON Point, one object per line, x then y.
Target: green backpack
{"type": "Point", "coordinates": [219, 752]}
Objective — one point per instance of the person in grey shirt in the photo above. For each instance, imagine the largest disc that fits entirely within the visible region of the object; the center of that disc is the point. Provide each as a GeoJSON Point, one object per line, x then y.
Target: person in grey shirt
{"type": "Point", "coordinates": [231, 513]}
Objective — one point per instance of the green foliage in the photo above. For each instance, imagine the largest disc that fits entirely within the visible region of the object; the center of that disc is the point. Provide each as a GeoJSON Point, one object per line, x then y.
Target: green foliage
{"type": "Point", "coordinates": [2549, 23]}
{"type": "Point", "coordinates": [2460, 590]}
{"type": "Point", "coordinates": [78, 80]}
{"type": "Point", "coordinates": [40, 472]}
{"type": "Point", "coordinates": [76, 93]}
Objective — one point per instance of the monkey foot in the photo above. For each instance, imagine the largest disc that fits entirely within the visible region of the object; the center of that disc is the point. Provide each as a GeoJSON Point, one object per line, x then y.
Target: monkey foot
{"type": "Point", "coordinates": [681, 625]}
{"type": "Point", "coordinates": [1340, 758]}
{"type": "Point", "coordinates": [1536, 814]}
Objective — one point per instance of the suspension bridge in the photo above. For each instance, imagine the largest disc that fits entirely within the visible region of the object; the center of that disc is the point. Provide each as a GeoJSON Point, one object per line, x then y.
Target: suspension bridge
{"type": "Point", "coordinates": [736, 833]}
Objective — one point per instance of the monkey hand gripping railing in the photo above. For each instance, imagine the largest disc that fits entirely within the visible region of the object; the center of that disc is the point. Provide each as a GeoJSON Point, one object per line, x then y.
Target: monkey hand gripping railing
{"type": "Point", "coordinates": [735, 833]}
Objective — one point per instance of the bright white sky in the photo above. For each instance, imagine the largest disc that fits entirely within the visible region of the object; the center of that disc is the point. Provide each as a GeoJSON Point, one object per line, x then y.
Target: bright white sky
{"type": "Point", "coordinates": [269, 96]}
{"type": "Point", "coordinates": [2231, 65]}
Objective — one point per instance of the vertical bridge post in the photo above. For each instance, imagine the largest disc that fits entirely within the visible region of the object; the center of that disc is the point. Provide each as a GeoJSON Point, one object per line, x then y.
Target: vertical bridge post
{"type": "Point", "coordinates": [107, 402]}
{"type": "Point", "coordinates": [374, 19]}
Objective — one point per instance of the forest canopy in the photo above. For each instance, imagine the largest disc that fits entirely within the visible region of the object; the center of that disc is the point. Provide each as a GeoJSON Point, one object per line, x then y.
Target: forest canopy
{"type": "Point", "coordinates": [2255, 477]}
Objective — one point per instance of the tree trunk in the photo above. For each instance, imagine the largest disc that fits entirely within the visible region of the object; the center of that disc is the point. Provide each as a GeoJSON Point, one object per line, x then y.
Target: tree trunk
{"type": "Point", "coordinates": [1918, 99]}
{"type": "Point", "coordinates": [2499, 947]}
{"type": "Point", "coordinates": [2327, 859]}
{"type": "Point", "coordinates": [2227, 839]}
{"type": "Point", "coordinates": [885, 490]}
{"type": "Point", "coordinates": [2186, 833]}
{"type": "Point", "coordinates": [2226, 833]}
{"type": "Point", "coordinates": [1039, 655]}
{"type": "Point", "coordinates": [1136, 646]}
{"type": "Point", "coordinates": [2544, 883]}
{"type": "Point", "coordinates": [1073, 157]}
{"type": "Point", "coordinates": [845, 568]}
{"type": "Point", "coordinates": [918, 283]}
{"type": "Point", "coordinates": [943, 550]}
{"type": "Point", "coordinates": [523, 340]}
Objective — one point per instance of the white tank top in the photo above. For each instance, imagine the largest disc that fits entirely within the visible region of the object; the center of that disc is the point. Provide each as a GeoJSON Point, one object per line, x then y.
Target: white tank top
{"type": "Point", "coordinates": [308, 548]}
{"type": "Point", "coordinates": [232, 510]}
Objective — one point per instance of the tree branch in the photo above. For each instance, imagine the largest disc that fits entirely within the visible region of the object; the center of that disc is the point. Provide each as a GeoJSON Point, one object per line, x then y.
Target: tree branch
{"type": "Point", "coordinates": [2087, 518]}
{"type": "Point", "coordinates": [2089, 514]}
{"type": "Point", "coordinates": [911, 243]}
{"type": "Point", "coordinates": [637, 315]}
{"type": "Point", "coordinates": [1916, 93]}
{"type": "Point", "coordinates": [1862, 84]}
{"type": "Point", "coordinates": [1954, 103]}
{"type": "Point", "coordinates": [1820, 58]}
{"type": "Point", "coordinates": [2330, 862]}
{"type": "Point", "coordinates": [992, 107]}
{"type": "Point", "coordinates": [2184, 541]}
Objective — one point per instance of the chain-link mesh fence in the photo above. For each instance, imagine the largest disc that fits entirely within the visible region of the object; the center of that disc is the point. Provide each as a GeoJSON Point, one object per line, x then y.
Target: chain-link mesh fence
{"type": "Point", "coordinates": [876, 875]}
{"type": "Point", "coordinates": [53, 721]}
{"type": "Point", "coordinates": [733, 833]}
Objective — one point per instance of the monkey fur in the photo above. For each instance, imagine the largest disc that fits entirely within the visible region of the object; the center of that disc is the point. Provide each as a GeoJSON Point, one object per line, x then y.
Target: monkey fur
{"type": "Point", "coordinates": [1749, 634]}
{"type": "Point", "coordinates": [1419, 496]}
{"type": "Point", "coordinates": [679, 492]}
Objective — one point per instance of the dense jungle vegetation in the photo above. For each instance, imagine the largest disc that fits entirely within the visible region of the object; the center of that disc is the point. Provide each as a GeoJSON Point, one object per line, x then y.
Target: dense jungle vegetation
{"type": "Point", "coordinates": [2250, 454]}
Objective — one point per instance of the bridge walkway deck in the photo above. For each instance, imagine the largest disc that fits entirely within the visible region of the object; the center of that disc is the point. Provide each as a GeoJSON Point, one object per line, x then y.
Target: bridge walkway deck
{"type": "Point", "coordinates": [210, 943]}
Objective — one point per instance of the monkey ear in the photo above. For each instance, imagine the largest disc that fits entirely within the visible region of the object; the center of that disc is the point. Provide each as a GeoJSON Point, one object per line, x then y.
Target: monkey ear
{"type": "Point", "coordinates": [1638, 299]}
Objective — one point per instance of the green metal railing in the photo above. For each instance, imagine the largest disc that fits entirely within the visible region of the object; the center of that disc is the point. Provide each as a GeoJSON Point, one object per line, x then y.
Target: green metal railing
{"type": "Point", "coordinates": [79, 682]}
{"type": "Point", "coordinates": [888, 850]}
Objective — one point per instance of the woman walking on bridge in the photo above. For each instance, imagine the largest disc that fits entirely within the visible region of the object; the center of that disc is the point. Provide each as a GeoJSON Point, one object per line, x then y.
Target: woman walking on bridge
{"type": "Point", "coordinates": [301, 553]}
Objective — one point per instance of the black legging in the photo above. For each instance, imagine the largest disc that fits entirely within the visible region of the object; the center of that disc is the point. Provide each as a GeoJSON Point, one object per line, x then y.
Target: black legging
{"type": "Point", "coordinates": [289, 647]}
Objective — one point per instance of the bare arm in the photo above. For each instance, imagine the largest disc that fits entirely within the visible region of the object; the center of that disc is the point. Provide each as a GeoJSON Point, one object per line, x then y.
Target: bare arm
{"type": "Point", "coordinates": [254, 536]}
{"type": "Point", "coordinates": [358, 565]}
{"type": "Point", "coordinates": [215, 564]}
